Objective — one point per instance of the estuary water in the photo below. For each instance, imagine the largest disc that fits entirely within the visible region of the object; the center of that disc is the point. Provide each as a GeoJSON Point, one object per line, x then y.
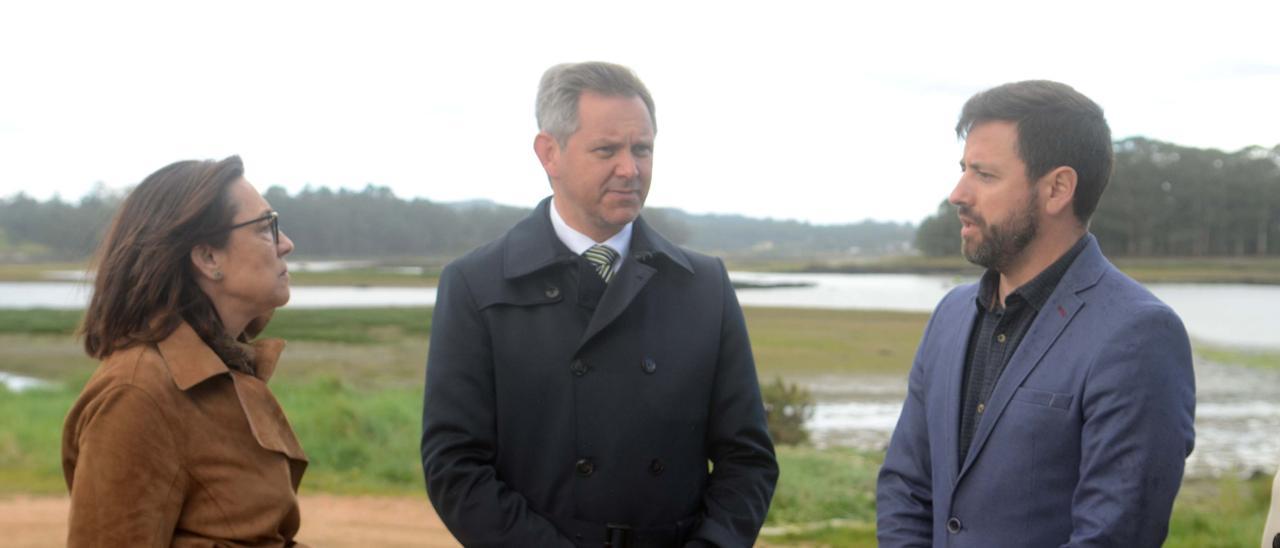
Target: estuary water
{"type": "Point", "coordinates": [1237, 414]}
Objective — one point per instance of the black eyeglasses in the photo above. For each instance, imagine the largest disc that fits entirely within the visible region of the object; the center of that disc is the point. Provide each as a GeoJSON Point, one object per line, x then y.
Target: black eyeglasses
{"type": "Point", "coordinates": [273, 216]}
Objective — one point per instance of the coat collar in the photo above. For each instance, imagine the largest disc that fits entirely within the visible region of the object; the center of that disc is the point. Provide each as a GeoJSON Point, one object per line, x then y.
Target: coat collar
{"type": "Point", "coordinates": [532, 245]}
{"type": "Point", "coordinates": [191, 361]}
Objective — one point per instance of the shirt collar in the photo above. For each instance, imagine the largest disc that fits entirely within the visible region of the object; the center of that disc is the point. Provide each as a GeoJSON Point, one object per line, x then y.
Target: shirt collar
{"type": "Point", "coordinates": [1037, 291]}
{"type": "Point", "coordinates": [579, 243]}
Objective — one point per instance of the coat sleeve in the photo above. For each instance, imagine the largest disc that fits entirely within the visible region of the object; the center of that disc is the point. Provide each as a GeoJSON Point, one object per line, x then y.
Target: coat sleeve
{"type": "Point", "coordinates": [744, 467]}
{"type": "Point", "coordinates": [904, 489]}
{"type": "Point", "coordinates": [1272, 528]}
{"type": "Point", "coordinates": [126, 477]}
{"type": "Point", "coordinates": [459, 431]}
{"type": "Point", "coordinates": [1138, 406]}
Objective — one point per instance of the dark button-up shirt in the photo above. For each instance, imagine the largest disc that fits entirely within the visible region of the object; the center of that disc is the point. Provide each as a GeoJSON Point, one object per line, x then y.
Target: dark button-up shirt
{"type": "Point", "coordinates": [997, 330]}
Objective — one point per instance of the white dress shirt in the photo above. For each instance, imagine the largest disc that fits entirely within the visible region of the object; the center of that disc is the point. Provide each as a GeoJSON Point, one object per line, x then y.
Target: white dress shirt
{"type": "Point", "coordinates": [579, 243]}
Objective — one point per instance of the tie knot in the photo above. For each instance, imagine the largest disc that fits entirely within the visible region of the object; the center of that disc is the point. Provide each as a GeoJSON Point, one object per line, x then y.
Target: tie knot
{"type": "Point", "coordinates": [602, 257]}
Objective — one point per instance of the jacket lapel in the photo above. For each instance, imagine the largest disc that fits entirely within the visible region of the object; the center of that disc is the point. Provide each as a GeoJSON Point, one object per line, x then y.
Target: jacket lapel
{"type": "Point", "coordinates": [1062, 306]}
{"type": "Point", "coordinates": [953, 352]}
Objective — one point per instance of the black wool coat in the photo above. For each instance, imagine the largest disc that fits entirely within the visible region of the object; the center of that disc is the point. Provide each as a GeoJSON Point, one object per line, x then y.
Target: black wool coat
{"type": "Point", "coordinates": [556, 404]}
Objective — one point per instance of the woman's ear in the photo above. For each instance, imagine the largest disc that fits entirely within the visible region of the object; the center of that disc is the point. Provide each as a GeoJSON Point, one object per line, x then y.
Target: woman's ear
{"type": "Point", "coordinates": [206, 262]}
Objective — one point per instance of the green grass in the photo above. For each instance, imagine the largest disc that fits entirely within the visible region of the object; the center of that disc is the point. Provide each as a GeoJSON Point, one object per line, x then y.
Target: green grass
{"type": "Point", "coordinates": [350, 325]}
{"type": "Point", "coordinates": [36, 272]}
{"type": "Point", "coordinates": [819, 485]}
{"type": "Point", "coordinates": [791, 342]}
{"type": "Point", "coordinates": [1264, 359]}
{"type": "Point", "coordinates": [357, 441]}
{"type": "Point", "coordinates": [39, 321]}
{"type": "Point", "coordinates": [31, 439]}
{"type": "Point", "coordinates": [1224, 513]}
{"type": "Point", "coordinates": [366, 277]}
{"type": "Point", "coordinates": [351, 385]}
{"type": "Point", "coordinates": [1250, 270]}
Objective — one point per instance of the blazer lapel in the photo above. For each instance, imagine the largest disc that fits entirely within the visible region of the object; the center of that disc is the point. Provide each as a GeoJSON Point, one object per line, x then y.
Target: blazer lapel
{"type": "Point", "coordinates": [1045, 329]}
{"type": "Point", "coordinates": [1048, 325]}
{"type": "Point", "coordinates": [954, 352]}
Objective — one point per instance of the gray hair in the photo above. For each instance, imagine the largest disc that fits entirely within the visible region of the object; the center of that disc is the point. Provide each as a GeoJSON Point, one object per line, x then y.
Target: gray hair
{"type": "Point", "coordinates": [562, 85]}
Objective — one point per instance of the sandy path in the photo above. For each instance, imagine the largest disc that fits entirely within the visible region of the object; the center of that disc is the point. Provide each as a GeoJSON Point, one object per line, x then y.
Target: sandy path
{"type": "Point", "coordinates": [327, 521]}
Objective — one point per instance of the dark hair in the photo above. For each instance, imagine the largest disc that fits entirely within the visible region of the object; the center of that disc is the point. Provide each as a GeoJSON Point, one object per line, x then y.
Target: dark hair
{"type": "Point", "coordinates": [145, 284]}
{"type": "Point", "coordinates": [1057, 126]}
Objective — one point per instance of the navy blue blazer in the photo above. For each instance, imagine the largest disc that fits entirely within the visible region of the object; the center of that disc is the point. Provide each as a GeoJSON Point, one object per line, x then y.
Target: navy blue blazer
{"type": "Point", "coordinates": [1084, 438]}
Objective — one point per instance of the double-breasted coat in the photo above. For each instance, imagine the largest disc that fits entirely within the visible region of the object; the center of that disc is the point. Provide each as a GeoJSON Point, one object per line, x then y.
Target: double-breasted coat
{"type": "Point", "coordinates": [559, 410]}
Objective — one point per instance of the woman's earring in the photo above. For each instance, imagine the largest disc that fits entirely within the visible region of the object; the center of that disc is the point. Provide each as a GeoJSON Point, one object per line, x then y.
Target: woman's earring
{"type": "Point", "coordinates": [217, 274]}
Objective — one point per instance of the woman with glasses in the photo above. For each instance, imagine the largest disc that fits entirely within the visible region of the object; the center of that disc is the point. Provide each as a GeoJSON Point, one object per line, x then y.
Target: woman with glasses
{"type": "Point", "coordinates": [176, 439]}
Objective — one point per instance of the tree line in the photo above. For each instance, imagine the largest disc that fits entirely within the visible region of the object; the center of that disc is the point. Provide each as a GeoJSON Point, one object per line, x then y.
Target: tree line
{"type": "Point", "coordinates": [1169, 200]}
{"type": "Point", "coordinates": [375, 223]}
{"type": "Point", "coordinates": [1163, 200]}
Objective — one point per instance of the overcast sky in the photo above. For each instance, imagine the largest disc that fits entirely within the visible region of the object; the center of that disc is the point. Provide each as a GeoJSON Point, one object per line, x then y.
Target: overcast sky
{"type": "Point", "coordinates": [829, 112]}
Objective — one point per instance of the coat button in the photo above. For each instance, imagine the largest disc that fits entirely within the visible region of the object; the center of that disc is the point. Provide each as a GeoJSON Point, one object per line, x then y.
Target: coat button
{"type": "Point", "coordinates": [649, 366]}
{"type": "Point", "coordinates": [551, 292]}
{"type": "Point", "coordinates": [953, 525]}
{"type": "Point", "coordinates": [656, 467]}
{"type": "Point", "coordinates": [584, 467]}
{"type": "Point", "coordinates": [578, 368]}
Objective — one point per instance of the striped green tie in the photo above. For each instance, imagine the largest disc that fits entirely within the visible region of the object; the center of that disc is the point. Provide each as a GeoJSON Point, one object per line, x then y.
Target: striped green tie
{"type": "Point", "coordinates": [602, 257]}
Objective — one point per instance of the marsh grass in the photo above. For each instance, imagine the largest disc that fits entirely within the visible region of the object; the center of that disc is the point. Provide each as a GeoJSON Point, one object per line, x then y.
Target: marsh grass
{"type": "Point", "coordinates": [351, 384]}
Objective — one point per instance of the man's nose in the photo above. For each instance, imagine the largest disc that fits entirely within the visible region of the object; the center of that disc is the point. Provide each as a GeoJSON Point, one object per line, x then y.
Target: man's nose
{"type": "Point", "coordinates": [960, 194]}
{"type": "Point", "coordinates": [628, 167]}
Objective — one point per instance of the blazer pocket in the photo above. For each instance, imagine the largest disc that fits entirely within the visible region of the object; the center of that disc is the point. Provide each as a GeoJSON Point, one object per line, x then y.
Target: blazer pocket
{"type": "Point", "coordinates": [1043, 397]}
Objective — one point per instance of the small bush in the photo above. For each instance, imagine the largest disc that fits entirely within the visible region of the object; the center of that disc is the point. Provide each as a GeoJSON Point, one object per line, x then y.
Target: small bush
{"type": "Point", "coordinates": [787, 406]}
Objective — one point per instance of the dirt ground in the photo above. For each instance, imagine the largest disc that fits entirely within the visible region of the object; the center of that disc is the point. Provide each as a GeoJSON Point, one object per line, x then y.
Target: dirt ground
{"type": "Point", "coordinates": [327, 521]}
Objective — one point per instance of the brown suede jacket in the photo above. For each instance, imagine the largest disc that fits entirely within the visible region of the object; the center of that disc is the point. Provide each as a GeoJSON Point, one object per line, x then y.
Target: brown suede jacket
{"type": "Point", "coordinates": [168, 447]}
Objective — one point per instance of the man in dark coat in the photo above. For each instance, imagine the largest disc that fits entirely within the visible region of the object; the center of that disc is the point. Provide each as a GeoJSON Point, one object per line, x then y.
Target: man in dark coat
{"type": "Point", "coordinates": [588, 382]}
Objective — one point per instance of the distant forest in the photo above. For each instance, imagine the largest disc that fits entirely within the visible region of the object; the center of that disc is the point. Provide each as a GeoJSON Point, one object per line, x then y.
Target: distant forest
{"type": "Point", "coordinates": [1164, 200]}
{"type": "Point", "coordinates": [374, 223]}
{"type": "Point", "coordinates": [1167, 200]}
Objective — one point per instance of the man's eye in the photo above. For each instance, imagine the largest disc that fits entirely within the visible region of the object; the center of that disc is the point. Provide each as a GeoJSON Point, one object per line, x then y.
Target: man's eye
{"type": "Point", "coordinates": [604, 152]}
{"type": "Point", "coordinates": [642, 151]}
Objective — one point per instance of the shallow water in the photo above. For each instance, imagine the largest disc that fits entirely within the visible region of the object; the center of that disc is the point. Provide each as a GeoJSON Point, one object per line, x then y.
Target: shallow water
{"type": "Point", "coordinates": [1237, 416]}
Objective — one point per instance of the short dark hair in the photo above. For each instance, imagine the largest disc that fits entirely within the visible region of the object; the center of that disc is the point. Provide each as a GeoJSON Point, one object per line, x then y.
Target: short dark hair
{"type": "Point", "coordinates": [1057, 126]}
{"type": "Point", "coordinates": [145, 285]}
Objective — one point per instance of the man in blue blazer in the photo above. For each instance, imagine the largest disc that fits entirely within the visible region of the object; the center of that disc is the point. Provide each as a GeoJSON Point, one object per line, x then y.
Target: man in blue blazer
{"type": "Point", "coordinates": [1051, 403]}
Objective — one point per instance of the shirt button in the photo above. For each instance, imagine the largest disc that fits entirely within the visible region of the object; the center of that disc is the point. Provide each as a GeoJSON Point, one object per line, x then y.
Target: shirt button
{"type": "Point", "coordinates": [649, 366]}
{"type": "Point", "coordinates": [954, 525]}
{"type": "Point", "coordinates": [584, 467]}
{"type": "Point", "coordinates": [981, 408]}
{"type": "Point", "coordinates": [656, 467]}
{"type": "Point", "coordinates": [1000, 337]}
{"type": "Point", "coordinates": [551, 292]}
{"type": "Point", "coordinates": [578, 368]}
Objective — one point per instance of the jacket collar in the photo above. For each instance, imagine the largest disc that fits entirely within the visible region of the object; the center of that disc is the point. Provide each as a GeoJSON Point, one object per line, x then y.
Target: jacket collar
{"type": "Point", "coordinates": [191, 361]}
{"type": "Point", "coordinates": [532, 245]}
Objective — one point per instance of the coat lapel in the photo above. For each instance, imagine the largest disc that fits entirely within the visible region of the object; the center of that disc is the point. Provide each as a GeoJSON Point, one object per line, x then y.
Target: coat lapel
{"type": "Point", "coordinates": [636, 272]}
{"type": "Point", "coordinates": [953, 353]}
{"type": "Point", "coordinates": [617, 296]}
{"type": "Point", "coordinates": [1062, 306]}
